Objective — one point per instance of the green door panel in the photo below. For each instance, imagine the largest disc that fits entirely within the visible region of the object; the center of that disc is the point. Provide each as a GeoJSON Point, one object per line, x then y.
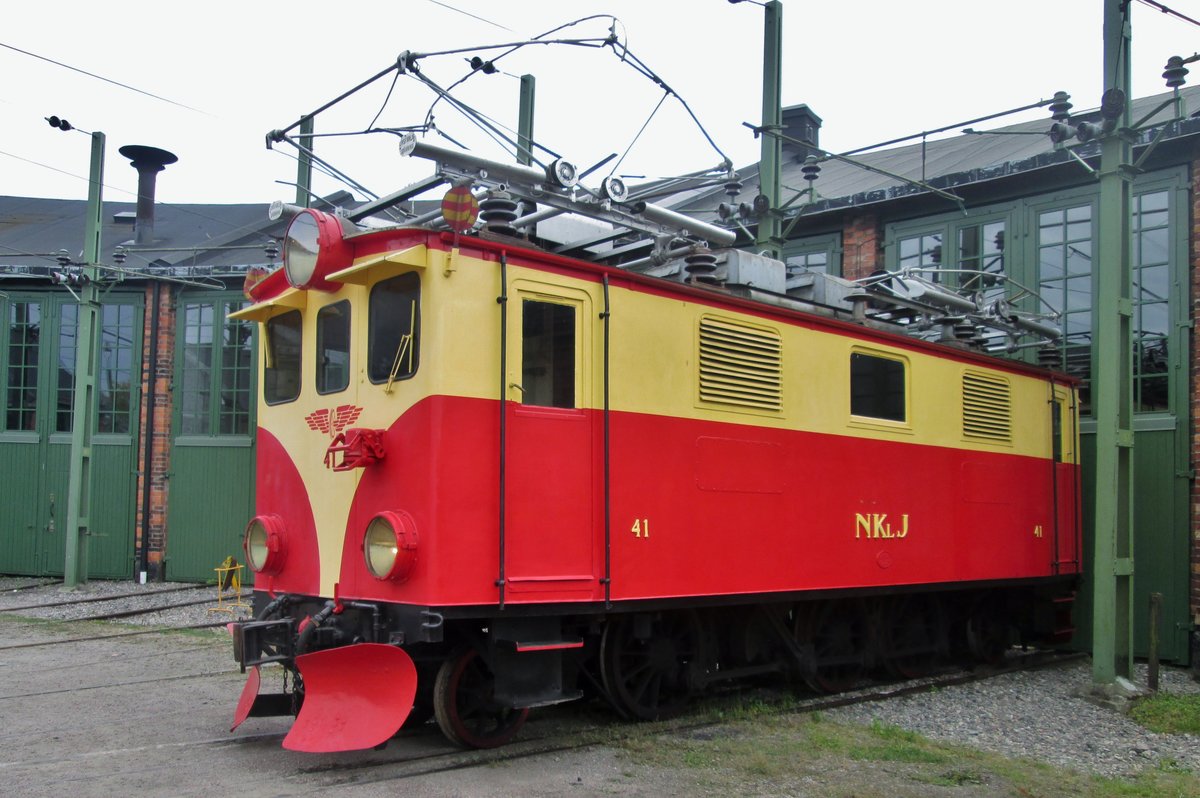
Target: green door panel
{"type": "Point", "coordinates": [212, 499]}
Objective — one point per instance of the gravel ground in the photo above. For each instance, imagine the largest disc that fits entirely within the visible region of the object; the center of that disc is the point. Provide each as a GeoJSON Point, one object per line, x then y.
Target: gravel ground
{"type": "Point", "coordinates": [1044, 714]}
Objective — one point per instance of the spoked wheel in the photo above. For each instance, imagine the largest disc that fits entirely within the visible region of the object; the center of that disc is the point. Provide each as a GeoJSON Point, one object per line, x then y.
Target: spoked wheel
{"type": "Point", "coordinates": [644, 663]}
{"type": "Point", "coordinates": [838, 633]}
{"type": "Point", "coordinates": [912, 636]}
{"type": "Point", "coordinates": [465, 706]}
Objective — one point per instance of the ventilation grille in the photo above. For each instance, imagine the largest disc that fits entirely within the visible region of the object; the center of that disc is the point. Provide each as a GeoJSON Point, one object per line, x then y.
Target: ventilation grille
{"type": "Point", "coordinates": [740, 366]}
{"type": "Point", "coordinates": [987, 407]}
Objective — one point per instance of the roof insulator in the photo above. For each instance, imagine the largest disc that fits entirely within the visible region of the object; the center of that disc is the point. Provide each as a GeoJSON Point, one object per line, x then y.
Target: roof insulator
{"type": "Point", "coordinates": [1060, 109]}
{"type": "Point", "coordinates": [1175, 72]}
{"type": "Point", "coordinates": [811, 169]}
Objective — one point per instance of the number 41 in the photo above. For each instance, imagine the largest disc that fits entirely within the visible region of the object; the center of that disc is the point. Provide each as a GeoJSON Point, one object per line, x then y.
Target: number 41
{"type": "Point", "coordinates": [641, 527]}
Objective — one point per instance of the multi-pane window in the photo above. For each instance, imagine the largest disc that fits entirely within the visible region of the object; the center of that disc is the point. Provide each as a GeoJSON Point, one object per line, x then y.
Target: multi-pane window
{"type": "Point", "coordinates": [922, 253]}
{"type": "Point", "coordinates": [114, 380]}
{"type": "Point", "coordinates": [819, 253]}
{"type": "Point", "coordinates": [393, 328]}
{"type": "Point", "coordinates": [877, 387]}
{"type": "Point", "coordinates": [214, 388]}
{"type": "Point", "coordinates": [1151, 289]}
{"type": "Point", "coordinates": [64, 380]}
{"type": "Point", "coordinates": [981, 249]}
{"type": "Point", "coordinates": [333, 347]}
{"type": "Point", "coordinates": [1064, 246]}
{"type": "Point", "coordinates": [548, 354]}
{"type": "Point", "coordinates": [808, 261]}
{"type": "Point", "coordinates": [24, 338]}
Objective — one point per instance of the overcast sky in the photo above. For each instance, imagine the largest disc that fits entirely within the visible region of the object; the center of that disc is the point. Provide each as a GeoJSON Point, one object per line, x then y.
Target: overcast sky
{"type": "Point", "coordinates": [872, 69]}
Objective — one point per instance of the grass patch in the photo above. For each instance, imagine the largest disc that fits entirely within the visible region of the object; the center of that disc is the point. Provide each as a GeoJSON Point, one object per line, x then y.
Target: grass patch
{"type": "Point", "coordinates": [789, 753]}
{"type": "Point", "coordinates": [1166, 713]}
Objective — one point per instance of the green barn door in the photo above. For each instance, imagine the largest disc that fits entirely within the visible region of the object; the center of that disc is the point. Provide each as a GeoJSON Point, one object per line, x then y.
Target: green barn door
{"type": "Point", "coordinates": [38, 367]}
{"type": "Point", "coordinates": [212, 448]}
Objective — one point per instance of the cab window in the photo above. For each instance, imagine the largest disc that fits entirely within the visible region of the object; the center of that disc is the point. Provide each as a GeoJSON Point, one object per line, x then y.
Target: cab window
{"type": "Point", "coordinates": [548, 354]}
{"type": "Point", "coordinates": [394, 328]}
{"type": "Point", "coordinates": [281, 378]}
{"type": "Point", "coordinates": [333, 347]}
{"type": "Point", "coordinates": [877, 387]}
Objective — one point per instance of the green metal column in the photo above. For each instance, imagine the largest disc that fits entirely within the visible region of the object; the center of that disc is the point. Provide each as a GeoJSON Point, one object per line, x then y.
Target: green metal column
{"type": "Point", "coordinates": [79, 481]}
{"type": "Point", "coordinates": [769, 220]}
{"type": "Point", "coordinates": [304, 168]}
{"type": "Point", "coordinates": [525, 121]}
{"type": "Point", "coordinates": [1112, 383]}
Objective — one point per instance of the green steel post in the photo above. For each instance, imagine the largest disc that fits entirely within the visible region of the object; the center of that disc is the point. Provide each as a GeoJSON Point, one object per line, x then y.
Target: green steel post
{"type": "Point", "coordinates": [304, 168]}
{"type": "Point", "coordinates": [79, 480]}
{"type": "Point", "coordinates": [1112, 376]}
{"type": "Point", "coordinates": [770, 224]}
{"type": "Point", "coordinates": [525, 121]}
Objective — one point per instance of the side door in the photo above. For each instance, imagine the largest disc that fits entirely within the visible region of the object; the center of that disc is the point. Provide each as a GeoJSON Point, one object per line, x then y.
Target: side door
{"type": "Point", "coordinates": [550, 452]}
{"type": "Point", "coordinates": [1064, 412]}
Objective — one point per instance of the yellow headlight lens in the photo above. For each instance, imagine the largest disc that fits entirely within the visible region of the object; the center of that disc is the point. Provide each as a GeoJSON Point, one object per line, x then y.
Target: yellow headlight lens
{"type": "Point", "coordinates": [380, 547]}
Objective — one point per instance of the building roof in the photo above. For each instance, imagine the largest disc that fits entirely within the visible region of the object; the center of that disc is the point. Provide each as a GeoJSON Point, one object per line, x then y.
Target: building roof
{"type": "Point", "coordinates": [946, 163]}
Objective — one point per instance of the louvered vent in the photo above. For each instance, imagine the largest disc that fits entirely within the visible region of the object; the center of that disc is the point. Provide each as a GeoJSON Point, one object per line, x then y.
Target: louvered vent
{"type": "Point", "coordinates": [987, 407]}
{"type": "Point", "coordinates": [740, 366]}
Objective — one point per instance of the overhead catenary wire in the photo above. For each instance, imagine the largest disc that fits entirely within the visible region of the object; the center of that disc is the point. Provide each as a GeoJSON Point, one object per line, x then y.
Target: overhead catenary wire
{"type": "Point", "coordinates": [101, 77]}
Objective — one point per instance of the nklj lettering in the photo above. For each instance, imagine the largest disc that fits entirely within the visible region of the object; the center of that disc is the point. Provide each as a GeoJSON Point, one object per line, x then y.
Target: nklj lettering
{"type": "Point", "coordinates": [876, 526]}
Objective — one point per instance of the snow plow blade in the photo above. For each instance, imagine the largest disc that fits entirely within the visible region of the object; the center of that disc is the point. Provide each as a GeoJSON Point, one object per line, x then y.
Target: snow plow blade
{"type": "Point", "coordinates": [246, 701]}
{"type": "Point", "coordinates": [355, 697]}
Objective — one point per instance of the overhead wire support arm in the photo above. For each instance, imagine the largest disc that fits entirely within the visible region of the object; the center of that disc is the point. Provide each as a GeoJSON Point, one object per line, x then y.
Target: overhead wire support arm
{"type": "Point", "coordinates": [826, 155]}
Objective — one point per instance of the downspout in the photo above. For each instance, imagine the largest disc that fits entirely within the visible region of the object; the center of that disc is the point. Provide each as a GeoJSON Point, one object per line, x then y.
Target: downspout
{"type": "Point", "coordinates": [148, 436]}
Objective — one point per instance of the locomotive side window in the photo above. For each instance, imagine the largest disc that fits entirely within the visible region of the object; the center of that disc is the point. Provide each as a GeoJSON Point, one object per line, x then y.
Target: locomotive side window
{"type": "Point", "coordinates": [394, 328]}
{"type": "Point", "coordinates": [877, 387]}
{"type": "Point", "coordinates": [548, 354]}
{"type": "Point", "coordinates": [333, 347]}
{"type": "Point", "coordinates": [281, 377]}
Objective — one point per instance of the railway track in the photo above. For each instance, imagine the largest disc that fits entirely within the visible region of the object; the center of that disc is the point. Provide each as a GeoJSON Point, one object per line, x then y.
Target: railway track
{"type": "Point", "coordinates": [615, 730]}
{"type": "Point", "coordinates": [139, 594]}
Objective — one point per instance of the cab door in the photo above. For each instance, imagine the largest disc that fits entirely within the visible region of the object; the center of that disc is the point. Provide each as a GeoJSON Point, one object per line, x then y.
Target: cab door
{"type": "Point", "coordinates": [1065, 450]}
{"type": "Point", "coordinates": [550, 455]}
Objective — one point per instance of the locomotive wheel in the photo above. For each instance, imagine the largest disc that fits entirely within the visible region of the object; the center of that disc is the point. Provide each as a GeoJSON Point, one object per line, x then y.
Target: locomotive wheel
{"type": "Point", "coordinates": [646, 677]}
{"type": "Point", "coordinates": [838, 633]}
{"type": "Point", "coordinates": [465, 706]}
{"type": "Point", "coordinates": [988, 632]}
{"type": "Point", "coordinates": [912, 635]}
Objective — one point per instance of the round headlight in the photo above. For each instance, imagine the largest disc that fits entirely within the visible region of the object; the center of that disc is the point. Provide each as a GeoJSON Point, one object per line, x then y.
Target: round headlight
{"type": "Point", "coordinates": [313, 247]}
{"type": "Point", "coordinates": [264, 544]}
{"type": "Point", "coordinates": [390, 546]}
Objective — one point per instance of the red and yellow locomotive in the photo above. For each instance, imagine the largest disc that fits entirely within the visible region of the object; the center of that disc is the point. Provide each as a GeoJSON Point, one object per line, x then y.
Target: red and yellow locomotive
{"type": "Point", "coordinates": [487, 473]}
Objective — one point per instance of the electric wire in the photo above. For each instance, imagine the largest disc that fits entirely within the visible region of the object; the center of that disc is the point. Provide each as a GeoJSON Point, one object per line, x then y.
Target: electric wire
{"type": "Point", "coordinates": [469, 14]}
{"type": "Point", "coordinates": [101, 77]}
{"type": "Point", "coordinates": [1169, 11]}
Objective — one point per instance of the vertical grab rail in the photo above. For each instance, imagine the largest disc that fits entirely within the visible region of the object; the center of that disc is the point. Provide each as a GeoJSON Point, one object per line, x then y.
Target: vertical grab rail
{"type": "Point", "coordinates": [502, 301]}
{"type": "Point", "coordinates": [607, 462]}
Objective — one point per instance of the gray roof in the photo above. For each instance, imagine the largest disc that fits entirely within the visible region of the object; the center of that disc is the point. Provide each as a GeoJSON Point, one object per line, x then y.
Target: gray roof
{"type": "Point", "coordinates": [187, 237]}
{"type": "Point", "coordinates": [945, 163]}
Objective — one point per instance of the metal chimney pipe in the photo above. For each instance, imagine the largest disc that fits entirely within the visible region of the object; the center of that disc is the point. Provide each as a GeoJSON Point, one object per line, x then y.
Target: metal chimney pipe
{"type": "Point", "coordinates": [148, 161]}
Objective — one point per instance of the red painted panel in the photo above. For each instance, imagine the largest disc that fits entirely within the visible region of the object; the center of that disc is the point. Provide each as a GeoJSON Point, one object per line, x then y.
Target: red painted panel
{"type": "Point", "coordinates": [279, 490]}
{"type": "Point", "coordinates": [698, 508]}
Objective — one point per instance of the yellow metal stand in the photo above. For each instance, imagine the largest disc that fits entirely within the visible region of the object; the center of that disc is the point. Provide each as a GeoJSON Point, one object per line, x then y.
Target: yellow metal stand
{"type": "Point", "coordinates": [229, 587]}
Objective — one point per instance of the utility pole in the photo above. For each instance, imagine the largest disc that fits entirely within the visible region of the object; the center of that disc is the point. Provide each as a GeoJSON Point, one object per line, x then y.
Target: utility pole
{"type": "Point", "coordinates": [304, 168]}
{"type": "Point", "coordinates": [525, 121]}
{"type": "Point", "coordinates": [770, 224]}
{"type": "Point", "coordinates": [1112, 376]}
{"type": "Point", "coordinates": [79, 481]}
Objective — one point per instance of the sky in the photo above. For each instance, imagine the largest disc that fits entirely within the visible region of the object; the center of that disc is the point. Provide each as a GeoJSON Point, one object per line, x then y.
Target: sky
{"type": "Point", "coordinates": [226, 73]}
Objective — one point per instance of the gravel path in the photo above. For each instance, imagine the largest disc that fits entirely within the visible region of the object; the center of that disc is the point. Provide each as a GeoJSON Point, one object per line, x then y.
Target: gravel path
{"type": "Point", "coordinates": [1043, 714]}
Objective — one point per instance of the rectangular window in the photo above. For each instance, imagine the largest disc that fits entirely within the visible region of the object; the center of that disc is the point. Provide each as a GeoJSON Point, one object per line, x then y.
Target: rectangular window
{"type": "Point", "coordinates": [1151, 290]}
{"type": "Point", "coordinates": [68, 329]}
{"type": "Point", "coordinates": [237, 359]}
{"type": "Point", "coordinates": [24, 335]}
{"type": "Point", "coordinates": [114, 381]}
{"type": "Point", "coordinates": [877, 387]}
{"type": "Point", "coordinates": [282, 373]}
{"type": "Point", "coordinates": [981, 249]}
{"type": "Point", "coordinates": [1056, 429]}
{"type": "Point", "coordinates": [923, 254]}
{"type": "Point", "coordinates": [547, 354]}
{"type": "Point", "coordinates": [1065, 283]}
{"type": "Point", "coordinates": [393, 328]}
{"type": "Point", "coordinates": [333, 347]}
